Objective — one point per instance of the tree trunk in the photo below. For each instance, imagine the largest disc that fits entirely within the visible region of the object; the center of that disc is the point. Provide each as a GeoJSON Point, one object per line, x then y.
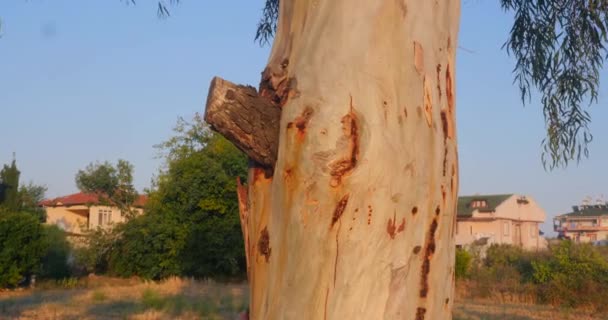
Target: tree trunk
{"type": "Point", "coordinates": [356, 220]}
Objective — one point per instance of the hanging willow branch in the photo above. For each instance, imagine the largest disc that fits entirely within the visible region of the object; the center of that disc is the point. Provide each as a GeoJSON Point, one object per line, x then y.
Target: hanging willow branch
{"type": "Point", "coordinates": [559, 48]}
{"type": "Point", "coordinates": [268, 23]}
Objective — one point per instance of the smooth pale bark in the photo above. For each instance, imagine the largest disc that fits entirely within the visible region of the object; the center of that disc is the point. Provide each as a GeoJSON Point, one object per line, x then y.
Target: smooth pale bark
{"type": "Point", "coordinates": [357, 220]}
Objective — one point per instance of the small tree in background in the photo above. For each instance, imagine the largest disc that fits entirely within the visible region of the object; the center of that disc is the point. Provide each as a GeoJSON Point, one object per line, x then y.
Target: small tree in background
{"type": "Point", "coordinates": [112, 184]}
{"type": "Point", "coordinates": [9, 187]}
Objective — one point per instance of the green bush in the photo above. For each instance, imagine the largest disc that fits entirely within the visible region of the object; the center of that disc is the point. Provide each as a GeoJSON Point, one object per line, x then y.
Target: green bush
{"type": "Point", "coordinates": [21, 247]}
{"type": "Point", "coordinates": [567, 274]}
{"type": "Point", "coordinates": [572, 275]}
{"type": "Point", "coordinates": [149, 246]}
{"type": "Point", "coordinates": [463, 263]}
{"type": "Point", "coordinates": [55, 258]}
{"type": "Point", "coordinates": [93, 254]}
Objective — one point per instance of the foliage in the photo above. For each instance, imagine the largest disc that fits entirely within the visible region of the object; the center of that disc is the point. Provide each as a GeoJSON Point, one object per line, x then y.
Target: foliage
{"type": "Point", "coordinates": [113, 184]}
{"type": "Point", "coordinates": [198, 189]}
{"type": "Point", "coordinates": [9, 187]}
{"type": "Point", "coordinates": [463, 263]}
{"type": "Point", "coordinates": [566, 274]}
{"type": "Point", "coordinates": [93, 254]}
{"type": "Point", "coordinates": [267, 26]}
{"type": "Point", "coordinates": [572, 274]}
{"type": "Point", "coordinates": [55, 258]}
{"type": "Point", "coordinates": [191, 223]}
{"type": "Point", "coordinates": [149, 246]}
{"type": "Point", "coordinates": [21, 247]}
{"type": "Point", "coordinates": [30, 196]}
{"type": "Point", "coordinates": [560, 48]}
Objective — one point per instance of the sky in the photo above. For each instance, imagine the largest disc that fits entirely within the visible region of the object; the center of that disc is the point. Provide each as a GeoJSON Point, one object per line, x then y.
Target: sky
{"type": "Point", "coordinates": [85, 81]}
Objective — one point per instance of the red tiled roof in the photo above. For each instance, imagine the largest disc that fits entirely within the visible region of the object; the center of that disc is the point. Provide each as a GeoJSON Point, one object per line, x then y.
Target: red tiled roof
{"type": "Point", "coordinates": [83, 198]}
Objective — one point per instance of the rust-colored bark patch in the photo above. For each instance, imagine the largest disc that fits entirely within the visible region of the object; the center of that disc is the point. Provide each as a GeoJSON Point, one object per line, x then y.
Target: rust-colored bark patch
{"type": "Point", "coordinates": [428, 103]}
{"type": "Point", "coordinates": [414, 210]}
{"type": "Point", "coordinates": [369, 214]}
{"type": "Point", "coordinates": [420, 312]}
{"type": "Point", "coordinates": [391, 227]}
{"type": "Point", "coordinates": [348, 149]}
{"type": "Point", "coordinates": [437, 211]}
{"type": "Point", "coordinates": [439, 80]}
{"type": "Point", "coordinates": [405, 112]}
{"type": "Point", "coordinates": [339, 210]}
{"type": "Point", "coordinates": [401, 226]}
{"type": "Point", "coordinates": [301, 122]}
{"type": "Point", "coordinates": [418, 58]}
{"type": "Point", "coordinates": [264, 244]}
{"type": "Point", "coordinates": [426, 263]}
{"type": "Point", "coordinates": [417, 249]}
{"type": "Point", "coordinates": [449, 93]}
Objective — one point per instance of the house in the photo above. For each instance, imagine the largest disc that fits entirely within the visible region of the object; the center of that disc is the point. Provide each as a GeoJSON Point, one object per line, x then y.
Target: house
{"type": "Point", "coordinates": [80, 211]}
{"type": "Point", "coordinates": [501, 219]}
{"type": "Point", "coordinates": [586, 223]}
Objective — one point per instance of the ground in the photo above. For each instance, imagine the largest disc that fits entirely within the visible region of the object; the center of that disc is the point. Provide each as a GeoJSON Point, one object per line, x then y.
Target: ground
{"type": "Point", "coordinates": [175, 298]}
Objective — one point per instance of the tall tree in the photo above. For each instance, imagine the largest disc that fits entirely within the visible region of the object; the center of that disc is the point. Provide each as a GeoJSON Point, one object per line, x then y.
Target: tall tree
{"type": "Point", "coordinates": [350, 207]}
{"type": "Point", "coordinates": [9, 187]}
{"type": "Point", "coordinates": [113, 184]}
{"type": "Point", "coordinates": [197, 189]}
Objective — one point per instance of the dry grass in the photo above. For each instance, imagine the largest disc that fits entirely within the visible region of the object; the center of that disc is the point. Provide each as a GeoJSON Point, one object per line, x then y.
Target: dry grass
{"type": "Point", "coordinates": [486, 310]}
{"type": "Point", "coordinates": [107, 298]}
{"type": "Point", "coordinates": [175, 298]}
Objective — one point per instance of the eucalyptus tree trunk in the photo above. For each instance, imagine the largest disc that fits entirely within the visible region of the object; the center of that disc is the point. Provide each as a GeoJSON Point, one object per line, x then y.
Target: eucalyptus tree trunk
{"type": "Point", "coordinates": [349, 210]}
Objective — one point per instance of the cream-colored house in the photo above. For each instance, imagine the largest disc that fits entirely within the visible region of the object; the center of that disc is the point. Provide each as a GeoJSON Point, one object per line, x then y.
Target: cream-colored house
{"type": "Point", "coordinates": [586, 223]}
{"type": "Point", "coordinates": [501, 219]}
{"type": "Point", "coordinates": [80, 211]}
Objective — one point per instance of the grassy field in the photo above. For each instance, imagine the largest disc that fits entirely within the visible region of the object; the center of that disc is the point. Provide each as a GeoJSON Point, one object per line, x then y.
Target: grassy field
{"type": "Point", "coordinates": [107, 298]}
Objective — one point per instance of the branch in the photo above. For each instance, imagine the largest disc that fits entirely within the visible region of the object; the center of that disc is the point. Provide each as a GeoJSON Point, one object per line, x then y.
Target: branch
{"type": "Point", "coordinates": [246, 119]}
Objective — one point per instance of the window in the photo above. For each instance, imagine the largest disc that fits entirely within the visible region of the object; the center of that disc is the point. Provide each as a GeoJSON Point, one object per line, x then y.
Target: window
{"type": "Point", "coordinates": [479, 204]}
{"type": "Point", "coordinates": [505, 228]}
{"type": "Point", "coordinates": [105, 217]}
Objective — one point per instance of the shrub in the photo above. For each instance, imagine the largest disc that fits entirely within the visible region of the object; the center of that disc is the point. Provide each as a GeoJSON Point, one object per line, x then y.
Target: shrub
{"type": "Point", "coordinates": [21, 247]}
{"type": "Point", "coordinates": [149, 246]}
{"type": "Point", "coordinates": [463, 263]}
{"type": "Point", "coordinates": [93, 254]}
{"type": "Point", "coordinates": [55, 259]}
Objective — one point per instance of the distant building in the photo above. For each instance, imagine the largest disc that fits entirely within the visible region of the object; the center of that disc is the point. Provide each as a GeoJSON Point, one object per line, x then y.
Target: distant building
{"type": "Point", "coordinates": [586, 223]}
{"type": "Point", "coordinates": [501, 219]}
{"type": "Point", "coordinates": [80, 211]}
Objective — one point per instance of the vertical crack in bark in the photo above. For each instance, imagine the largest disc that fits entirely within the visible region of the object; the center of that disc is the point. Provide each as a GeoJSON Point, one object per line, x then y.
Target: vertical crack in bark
{"type": "Point", "coordinates": [428, 103]}
{"type": "Point", "coordinates": [348, 148]}
{"type": "Point", "coordinates": [445, 127]}
{"type": "Point", "coordinates": [392, 228]}
{"type": "Point", "coordinates": [439, 80]}
{"type": "Point", "coordinates": [242, 196]}
{"type": "Point", "coordinates": [426, 264]}
{"type": "Point", "coordinates": [337, 252]}
{"type": "Point", "coordinates": [339, 210]}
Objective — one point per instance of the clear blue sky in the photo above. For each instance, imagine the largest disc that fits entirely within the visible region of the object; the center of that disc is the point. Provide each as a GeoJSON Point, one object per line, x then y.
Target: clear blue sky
{"type": "Point", "coordinates": [82, 81]}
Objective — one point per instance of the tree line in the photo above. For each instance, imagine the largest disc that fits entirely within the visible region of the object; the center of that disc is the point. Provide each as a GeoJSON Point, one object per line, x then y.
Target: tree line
{"type": "Point", "coordinates": [190, 225]}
